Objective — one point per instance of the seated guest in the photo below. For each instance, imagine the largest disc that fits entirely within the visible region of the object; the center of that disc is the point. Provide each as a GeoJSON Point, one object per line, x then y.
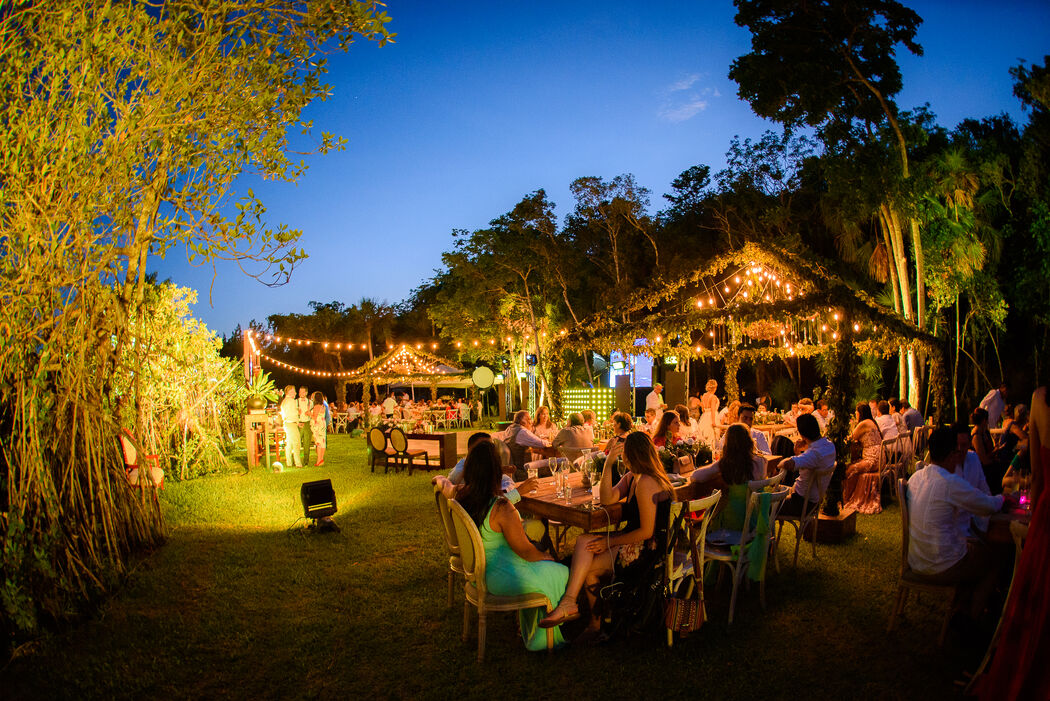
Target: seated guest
{"type": "Point", "coordinates": [648, 495]}
{"type": "Point", "coordinates": [574, 438]}
{"type": "Point", "coordinates": [514, 566]}
{"type": "Point", "coordinates": [520, 438]}
{"type": "Point", "coordinates": [590, 421]}
{"type": "Point", "coordinates": [816, 456]}
{"type": "Point", "coordinates": [689, 428]}
{"type": "Point", "coordinates": [668, 430]}
{"type": "Point", "coordinates": [912, 418]}
{"type": "Point", "coordinates": [738, 465]}
{"type": "Point", "coordinates": [621, 426]}
{"type": "Point", "coordinates": [869, 436]}
{"type": "Point", "coordinates": [937, 550]}
{"type": "Point", "coordinates": [969, 468]}
{"type": "Point", "coordinates": [747, 417]}
{"type": "Point", "coordinates": [455, 476]}
{"type": "Point", "coordinates": [897, 416]}
{"type": "Point", "coordinates": [987, 450]}
{"type": "Point", "coordinates": [543, 426]}
{"type": "Point", "coordinates": [823, 414]}
{"type": "Point", "coordinates": [651, 421]}
{"type": "Point", "coordinates": [729, 414]}
{"type": "Point", "coordinates": [887, 426]}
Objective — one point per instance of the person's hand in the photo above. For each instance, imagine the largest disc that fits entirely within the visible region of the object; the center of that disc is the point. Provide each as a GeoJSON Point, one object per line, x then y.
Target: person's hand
{"type": "Point", "coordinates": [528, 485]}
{"type": "Point", "coordinates": [597, 546]}
{"type": "Point", "coordinates": [615, 451]}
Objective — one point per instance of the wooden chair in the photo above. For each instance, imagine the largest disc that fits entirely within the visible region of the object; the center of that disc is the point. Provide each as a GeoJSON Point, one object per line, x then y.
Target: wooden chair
{"type": "Point", "coordinates": [135, 464]}
{"type": "Point", "coordinates": [810, 515]}
{"type": "Point", "coordinates": [680, 563]}
{"type": "Point", "coordinates": [730, 548]}
{"type": "Point", "coordinates": [377, 441]}
{"type": "Point", "coordinates": [472, 553]}
{"type": "Point", "coordinates": [918, 442]}
{"type": "Point", "coordinates": [910, 580]}
{"type": "Point", "coordinates": [403, 457]}
{"type": "Point", "coordinates": [448, 529]}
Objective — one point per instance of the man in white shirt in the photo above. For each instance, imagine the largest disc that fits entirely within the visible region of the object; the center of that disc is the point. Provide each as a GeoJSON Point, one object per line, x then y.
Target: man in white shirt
{"type": "Point", "coordinates": [970, 469]}
{"type": "Point", "coordinates": [388, 405]}
{"type": "Point", "coordinates": [293, 454]}
{"type": "Point", "coordinates": [994, 402]}
{"type": "Point", "coordinates": [823, 415]}
{"type": "Point", "coordinates": [816, 461]}
{"type": "Point", "coordinates": [654, 400]}
{"type": "Point", "coordinates": [937, 549]}
{"type": "Point", "coordinates": [746, 415]}
{"type": "Point", "coordinates": [886, 424]}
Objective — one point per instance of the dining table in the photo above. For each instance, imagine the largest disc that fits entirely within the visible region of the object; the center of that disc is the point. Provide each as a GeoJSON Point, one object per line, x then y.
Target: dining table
{"type": "Point", "coordinates": [999, 523]}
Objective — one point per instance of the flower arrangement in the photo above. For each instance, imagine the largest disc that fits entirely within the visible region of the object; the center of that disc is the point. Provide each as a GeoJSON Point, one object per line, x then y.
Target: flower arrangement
{"type": "Point", "coordinates": [768, 417]}
{"type": "Point", "coordinates": [698, 450]}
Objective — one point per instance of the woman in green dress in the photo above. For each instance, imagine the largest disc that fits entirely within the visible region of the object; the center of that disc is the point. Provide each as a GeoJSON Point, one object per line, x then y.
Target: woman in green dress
{"type": "Point", "coordinates": [514, 565]}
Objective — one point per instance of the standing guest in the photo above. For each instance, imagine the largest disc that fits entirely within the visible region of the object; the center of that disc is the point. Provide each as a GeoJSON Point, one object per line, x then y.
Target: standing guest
{"type": "Point", "coordinates": [912, 418]}
{"type": "Point", "coordinates": [1019, 669]}
{"type": "Point", "coordinates": [815, 454]}
{"type": "Point", "coordinates": [937, 551]}
{"type": "Point", "coordinates": [668, 430]}
{"type": "Point", "coordinates": [987, 451]}
{"type": "Point", "coordinates": [353, 416]}
{"type": "Point", "coordinates": [389, 404]}
{"type": "Point", "coordinates": [648, 493]}
{"type": "Point", "coordinates": [887, 425]}
{"type": "Point", "coordinates": [621, 426]}
{"type": "Point", "coordinates": [514, 566]}
{"type": "Point", "coordinates": [543, 426]}
{"type": "Point", "coordinates": [709, 404]}
{"type": "Point", "coordinates": [655, 400]}
{"type": "Point", "coordinates": [994, 402]}
{"type": "Point", "coordinates": [293, 454]}
{"type": "Point", "coordinates": [463, 411]}
{"type": "Point", "coordinates": [305, 433]}
{"type": "Point", "coordinates": [318, 426]}
{"type": "Point", "coordinates": [869, 436]}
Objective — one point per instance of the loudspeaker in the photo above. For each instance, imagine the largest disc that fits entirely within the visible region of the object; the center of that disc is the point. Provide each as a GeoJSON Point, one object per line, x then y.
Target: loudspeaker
{"type": "Point", "coordinates": [318, 499]}
{"type": "Point", "coordinates": [623, 394]}
{"type": "Point", "coordinates": [674, 388]}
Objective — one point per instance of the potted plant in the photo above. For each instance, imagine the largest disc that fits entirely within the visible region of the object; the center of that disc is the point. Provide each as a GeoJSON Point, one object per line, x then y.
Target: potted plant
{"type": "Point", "coordinates": [261, 391]}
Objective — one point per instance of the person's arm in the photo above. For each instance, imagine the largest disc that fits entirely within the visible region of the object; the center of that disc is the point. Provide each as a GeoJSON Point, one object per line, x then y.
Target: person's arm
{"type": "Point", "coordinates": [706, 473]}
{"type": "Point", "coordinates": [965, 496]}
{"type": "Point", "coordinates": [504, 519]}
{"type": "Point", "coordinates": [527, 438]}
{"type": "Point", "coordinates": [608, 492]}
{"type": "Point", "coordinates": [761, 443]}
{"type": "Point", "coordinates": [449, 489]}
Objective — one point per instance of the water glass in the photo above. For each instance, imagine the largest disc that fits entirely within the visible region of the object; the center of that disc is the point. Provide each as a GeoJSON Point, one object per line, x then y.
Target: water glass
{"type": "Point", "coordinates": [533, 472]}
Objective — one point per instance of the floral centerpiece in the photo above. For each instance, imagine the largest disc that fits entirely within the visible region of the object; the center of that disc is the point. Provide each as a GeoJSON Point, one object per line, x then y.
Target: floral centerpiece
{"type": "Point", "coordinates": [694, 448]}
{"type": "Point", "coordinates": [768, 417]}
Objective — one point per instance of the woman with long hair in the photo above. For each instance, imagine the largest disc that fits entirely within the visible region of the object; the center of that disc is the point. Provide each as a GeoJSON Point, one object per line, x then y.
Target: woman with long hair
{"type": "Point", "coordinates": [542, 426]}
{"type": "Point", "coordinates": [648, 493]}
{"type": "Point", "coordinates": [869, 436]}
{"type": "Point", "coordinates": [984, 445]}
{"type": "Point", "coordinates": [689, 428]}
{"type": "Point", "coordinates": [667, 430]}
{"type": "Point", "coordinates": [514, 565]}
{"type": "Point", "coordinates": [318, 426]}
{"type": "Point", "coordinates": [739, 464]}
{"type": "Point", "coordinates": [709, 404]}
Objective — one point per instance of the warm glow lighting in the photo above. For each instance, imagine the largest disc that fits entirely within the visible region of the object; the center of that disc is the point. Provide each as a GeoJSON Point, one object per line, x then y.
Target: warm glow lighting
{"type": "Point", "coordinates": [856, 327]}
{"type": "Point", "coordinates": [835, 316]}
{"type": "Point", "coordinates": [711, 334]}
{"type": "Point", "coordinates": [726, 288]}
{"type": "Point", "coordinates": [699, 302]}
{"type": "Point", "coordinates": [823, 327]}
{"type": "Point", "coordinates": [658, 339]}
{"type": "Point", "coordinates": [736, 279]}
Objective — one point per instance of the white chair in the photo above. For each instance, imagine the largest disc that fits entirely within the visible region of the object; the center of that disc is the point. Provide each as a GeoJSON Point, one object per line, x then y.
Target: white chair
{"type": "Point", "coordinates": [472, 553]}
{"type": "Point", "coordinates": [730, 548]}
{"type": "Point", "coordinates": [680, 563]}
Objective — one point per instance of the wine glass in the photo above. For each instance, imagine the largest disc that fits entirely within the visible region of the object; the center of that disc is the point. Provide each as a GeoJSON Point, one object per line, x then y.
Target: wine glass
{"type": "Point", "coordinates": [621, 467]}
{"type": "Point", "coordinates": [533, 473]}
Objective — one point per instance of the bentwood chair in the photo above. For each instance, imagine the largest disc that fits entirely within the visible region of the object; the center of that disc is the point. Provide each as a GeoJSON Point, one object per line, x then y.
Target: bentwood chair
{"type": "Point", "coordinates": [731, 549]}
{"type": "Point", "coordinates": [448, 529]}
{"type": "Point", "coordinates": [381, 453]}
{"type": "Point", "coordinates": [810, 515]}
{"type": "Point", "coordinates": [911, 580]}
{"type": "Point", "coordinates": [402, 456]}
{"type": "Point", "coordinates": [472, 553]}
{"type": "Point", "coordinates": [679, 562]}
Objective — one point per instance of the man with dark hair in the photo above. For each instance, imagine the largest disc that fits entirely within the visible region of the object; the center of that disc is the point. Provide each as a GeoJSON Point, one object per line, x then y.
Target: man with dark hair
{"type": "Point", "coordinates": [937, 498]}
{"type": "Point", "coordinates": [970, 469]}
{"type": "Point", "coordinates": [746, 415]}
{"type": "Point", "coordinates": [572, 439]}
{"type": "Point", "coordinates": [823, 415]}
{"type": "Point", "coordinates": [912, 418]}
{"type": "Point", "coordinates": [456, 475]}
{"type": "Point", "coordinates": [887, 426]}
{"type": "Point", "coordinates": [814, 461]}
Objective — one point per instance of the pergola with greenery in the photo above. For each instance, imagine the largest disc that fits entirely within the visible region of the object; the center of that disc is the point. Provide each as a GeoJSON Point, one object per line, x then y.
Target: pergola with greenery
{"type": "Point", "coordinates": [404, 364]}
{"type": "Point", "coordinates": [758, 303]}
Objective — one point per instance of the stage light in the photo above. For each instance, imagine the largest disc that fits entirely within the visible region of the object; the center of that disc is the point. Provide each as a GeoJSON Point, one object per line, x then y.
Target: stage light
{"type": "Point", "coordinates": [318, 499]}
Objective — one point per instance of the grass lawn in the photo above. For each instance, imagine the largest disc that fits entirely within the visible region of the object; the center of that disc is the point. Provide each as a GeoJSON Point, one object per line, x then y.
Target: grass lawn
{"type": "Point", "coordinates": [239, 605]}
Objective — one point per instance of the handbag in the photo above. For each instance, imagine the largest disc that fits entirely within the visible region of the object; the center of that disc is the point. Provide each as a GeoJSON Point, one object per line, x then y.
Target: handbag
{"type": "Point", "coordinates": [683, 615]}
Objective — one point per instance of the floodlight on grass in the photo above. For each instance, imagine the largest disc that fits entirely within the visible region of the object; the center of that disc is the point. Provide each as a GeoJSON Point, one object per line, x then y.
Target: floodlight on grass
{"type": "Point", "coordinates": [318, 499]}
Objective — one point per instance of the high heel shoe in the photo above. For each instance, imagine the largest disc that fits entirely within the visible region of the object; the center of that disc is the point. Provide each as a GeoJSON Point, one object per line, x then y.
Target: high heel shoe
{"type": "Point", "coordinates": [565, 611]}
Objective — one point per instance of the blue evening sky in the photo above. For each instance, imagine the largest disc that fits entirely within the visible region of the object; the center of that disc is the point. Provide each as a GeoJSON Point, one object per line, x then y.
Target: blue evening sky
{"type": "Point", "coordinates": [477, 105]}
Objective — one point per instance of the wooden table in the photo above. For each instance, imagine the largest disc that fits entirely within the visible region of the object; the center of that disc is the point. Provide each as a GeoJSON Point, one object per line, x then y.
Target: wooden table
{"type": "Point", "coordinates": [773, 429]}
{"type": "Point", "coordinates": [999, 524]}
{"type": "Point", "coordinates": [579, 512]}
{"type": "Point", "coordinates": [443, 444]}
{"type": "Point", "coordinates": [254, 424]}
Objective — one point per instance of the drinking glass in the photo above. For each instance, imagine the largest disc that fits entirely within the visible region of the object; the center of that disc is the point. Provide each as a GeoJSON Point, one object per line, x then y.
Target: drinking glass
{"type": "Point", "coordinates": [621, 468]}
{"type": "Point", "coordinates": [533, 472]}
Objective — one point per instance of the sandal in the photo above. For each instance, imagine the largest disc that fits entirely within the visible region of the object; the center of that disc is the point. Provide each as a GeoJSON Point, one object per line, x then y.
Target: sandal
{"type": "Point", "coordinates": [565, 611]}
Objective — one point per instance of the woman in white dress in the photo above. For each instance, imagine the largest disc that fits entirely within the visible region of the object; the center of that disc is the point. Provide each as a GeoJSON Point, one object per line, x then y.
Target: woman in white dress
{"type": "Point", "coordinates": [709, 406]}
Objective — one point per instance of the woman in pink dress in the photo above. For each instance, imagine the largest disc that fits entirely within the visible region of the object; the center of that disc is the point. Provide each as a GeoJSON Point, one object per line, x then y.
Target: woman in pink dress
{"type": "Point", "coordinates": [857, 492]}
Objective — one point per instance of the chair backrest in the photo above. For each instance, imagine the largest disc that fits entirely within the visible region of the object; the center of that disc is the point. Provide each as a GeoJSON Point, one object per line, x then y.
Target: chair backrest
{"type": "Point", "coordinates": [398, 440]}
{"type": "Point", "coordinates": [774, 481]}
{"type": "Point", "coordinates": [504, 452]}
{"type": "Point", "coordinates": [127, 449]}
{"type": "Point", "coordinates": [902, 499]}
{"type": "Point", "coordinates": [471, 549]}
{"type": "Point", "coordinates": [696, 530]}
{"type": "Point", "coordinates": [448, 528]}
{"type": "Point", "coordinates": [918, 441]}
{"type": "Point", "coordinates": [377, 439]}
{"type": "Point", "coordinates": [750, 529]}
